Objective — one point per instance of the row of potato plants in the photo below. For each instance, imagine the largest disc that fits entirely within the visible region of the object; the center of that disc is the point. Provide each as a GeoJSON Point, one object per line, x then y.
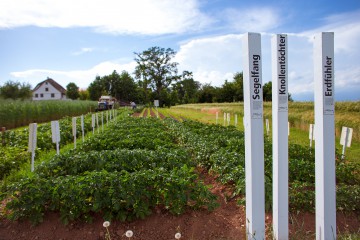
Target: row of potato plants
{"type": "Point", "coordinates": [14, 154]}
{"type": "Point", "coordinates": [131, 168]}
{"type": "Point", "coordinates": [222, 151]}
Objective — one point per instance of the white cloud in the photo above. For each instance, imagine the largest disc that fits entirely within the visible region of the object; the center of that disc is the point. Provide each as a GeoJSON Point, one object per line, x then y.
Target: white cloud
{"type": "Point", "coordinates": [249, 20]}
{"type": "Point", "coordinates": [110, 16]}
{"type": "Point", "coordinates": [82, 78]}
{"type": "Point", "coordinates": [82, 51]}
{"type": "Point", "coordinates": [212, 59]}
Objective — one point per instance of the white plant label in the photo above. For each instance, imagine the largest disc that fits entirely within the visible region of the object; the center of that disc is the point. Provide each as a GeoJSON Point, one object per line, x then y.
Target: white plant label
{"type": "Point", "coordinates": [82, 127]}
{"type": "Point", "coordinates": [32, 143]}
{"type": "Point", "coordinates": [32, 137]}
{"type": "Point", "coordinates": [55, 130]}
{"type": "Point", "coordinates": [156, 103]}
{"type": "Point", "coordinates": [346, 136]}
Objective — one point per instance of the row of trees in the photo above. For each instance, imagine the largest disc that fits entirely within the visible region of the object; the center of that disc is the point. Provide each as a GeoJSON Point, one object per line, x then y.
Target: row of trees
{"type": "Point", "coordinates": [156, 76]}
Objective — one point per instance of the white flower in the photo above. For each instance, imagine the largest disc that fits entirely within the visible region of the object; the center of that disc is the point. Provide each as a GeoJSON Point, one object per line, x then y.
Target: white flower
{"type": "Point", "coordinates": [177, 235]}
{"type": "Point", "coordinates": [129, 233]}
{"type": "Point", "coordinates": [106, 224]}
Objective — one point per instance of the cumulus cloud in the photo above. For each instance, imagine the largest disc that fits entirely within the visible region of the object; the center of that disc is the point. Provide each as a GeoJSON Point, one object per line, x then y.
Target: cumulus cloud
{"type": "Point", "coordinates": [109, 16]}
{"type": "Point", "coordinates": [212, 59]}
{"type": "Point", "coordinates": [82, 78]}
{"type": "Point", "coordinates": [82, 51]}
{"type": "Point", "coordinates": [249, 20]}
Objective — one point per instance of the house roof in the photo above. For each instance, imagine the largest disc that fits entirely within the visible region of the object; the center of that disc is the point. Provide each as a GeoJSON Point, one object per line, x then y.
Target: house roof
{"type": "Point", "coordinates": [52, 82]}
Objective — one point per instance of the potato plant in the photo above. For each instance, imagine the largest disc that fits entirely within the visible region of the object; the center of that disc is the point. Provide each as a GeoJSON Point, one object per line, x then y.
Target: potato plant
{"type": "Point", "coordinates": [222, 151]}
{"type": "Point", "coordinates": [125, 172]}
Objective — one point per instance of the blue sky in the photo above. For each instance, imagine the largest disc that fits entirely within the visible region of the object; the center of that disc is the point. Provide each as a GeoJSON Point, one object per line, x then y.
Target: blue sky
{"type": "Point", "coordinates": [73, 41]}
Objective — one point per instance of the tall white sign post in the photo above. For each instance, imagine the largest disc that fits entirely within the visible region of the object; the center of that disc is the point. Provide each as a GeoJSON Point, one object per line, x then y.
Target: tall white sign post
{"type": "Point", "coordinates": [279, 55]}
{"type": "Point", "coordinates": [74, 130]}
{"type": "Point", "coordinates": [32, 143]}
{"type": "Point", "coordinates": [55, 133]}
{"type": "Point", "coordinates": [325, 136]}
{"type": "Point", "coordinates": [254, 137]}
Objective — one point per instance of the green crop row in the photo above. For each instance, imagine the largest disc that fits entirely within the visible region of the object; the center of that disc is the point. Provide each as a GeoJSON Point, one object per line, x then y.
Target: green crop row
{"type": "Point", "coordinates": [15, 114]}
{"type": "Point", "coordinates": [14, 154]}
{"type": "Point", "coordinates": [122, 173]}
{"type": "Point", "coordinates": [222, 151]}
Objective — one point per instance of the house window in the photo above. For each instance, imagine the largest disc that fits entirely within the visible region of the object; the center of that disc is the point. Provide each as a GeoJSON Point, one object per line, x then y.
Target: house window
{"type": "Point", "coordinates": [36, 95]}
{"type": "Point", "coordinates": [41, 95]}
{"type": "Point", "coordinates": [53, 95]}
{"type": "Point", "coordinates": [46, 89]}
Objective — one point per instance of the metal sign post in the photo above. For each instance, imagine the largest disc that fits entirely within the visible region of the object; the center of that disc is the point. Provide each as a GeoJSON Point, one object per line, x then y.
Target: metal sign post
{"type": "Point", "coordinates": [325, 185]}
{"type": "Point", "coordinates": [32, 143]}
{"type": "Point", "coordinates": [254, 137]}
{"type": "Point", "coordinates": [279, 49]}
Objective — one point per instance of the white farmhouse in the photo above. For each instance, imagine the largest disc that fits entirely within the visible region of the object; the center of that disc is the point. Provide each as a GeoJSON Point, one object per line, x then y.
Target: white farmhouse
{"type": "Point", "coordinates": [48, 90]}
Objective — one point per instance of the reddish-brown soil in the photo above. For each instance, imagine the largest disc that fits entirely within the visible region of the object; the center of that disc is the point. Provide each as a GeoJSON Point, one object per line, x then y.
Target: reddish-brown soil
{"type": "Point", "coordinates": [211, 110]}
{"type": "Point", "coordinates": [226, 222]}
{"type": "Point", "coordinates": [145, 113]}
{"type": "Point", "coordinates": [152, 112]}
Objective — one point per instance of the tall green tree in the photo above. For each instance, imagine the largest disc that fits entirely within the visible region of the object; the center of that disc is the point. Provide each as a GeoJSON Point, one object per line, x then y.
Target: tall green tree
{"type": "Point", "coordinates": [239, 86]}
{"type": "Point", "coordinates": [72, 91]}
{"type": "Point", "coordinates": [187, 88]}
{"type": "Point", "coordinates": [267, 92]}
{"type": "Point", "coordinates": [15, 90]}
{"type": "Point", "coordinates": [207, 94]}
{"type": "Point", "coordinates": [156, 70]}
{"type": "Point", "coordinates": [121, 86]}
{"type": "Point", "coordinates": [84, 94]}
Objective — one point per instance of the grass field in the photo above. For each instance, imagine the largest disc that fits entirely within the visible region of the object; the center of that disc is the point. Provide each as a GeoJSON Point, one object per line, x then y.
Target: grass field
{"type": "Point", "coordinates": [301, 114]}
